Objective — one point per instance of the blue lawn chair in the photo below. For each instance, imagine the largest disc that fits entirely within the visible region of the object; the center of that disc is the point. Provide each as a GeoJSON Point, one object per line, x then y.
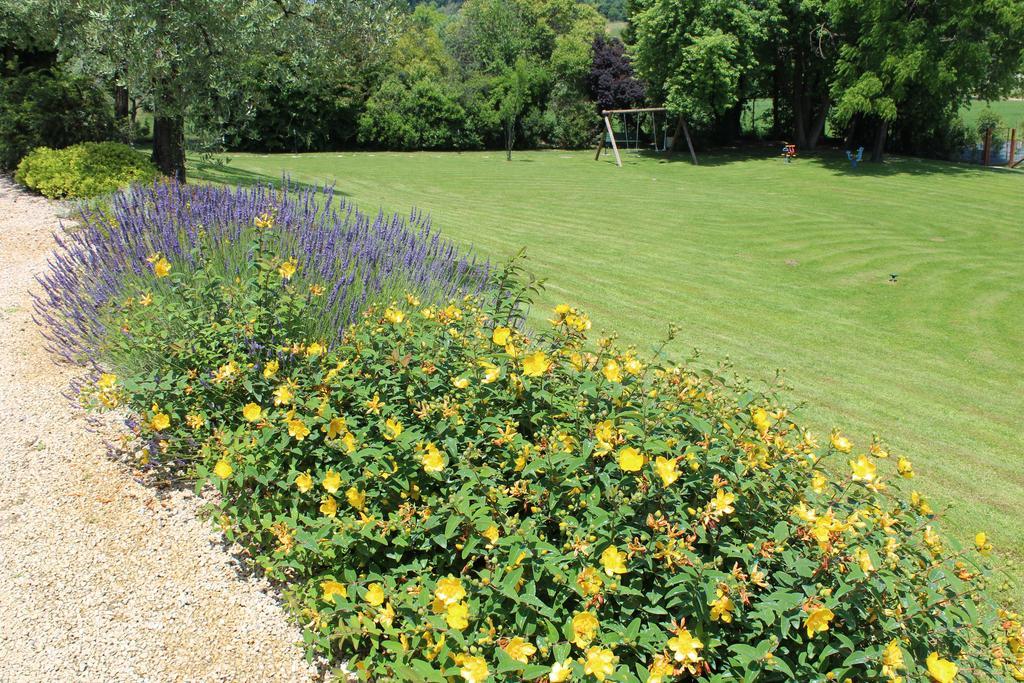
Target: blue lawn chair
{"type": "Point", "coordinates": [855, 158]}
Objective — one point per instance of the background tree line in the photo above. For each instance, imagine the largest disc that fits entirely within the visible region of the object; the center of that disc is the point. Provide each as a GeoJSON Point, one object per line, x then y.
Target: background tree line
{"type": "Point", "coordinates": [294, 75]}
{"type": "Point", "coordinates": [879, 73]}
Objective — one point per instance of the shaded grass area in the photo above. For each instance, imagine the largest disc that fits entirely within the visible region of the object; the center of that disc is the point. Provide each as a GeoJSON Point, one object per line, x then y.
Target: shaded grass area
{"type": "Point", "coordinates": [772, 266]}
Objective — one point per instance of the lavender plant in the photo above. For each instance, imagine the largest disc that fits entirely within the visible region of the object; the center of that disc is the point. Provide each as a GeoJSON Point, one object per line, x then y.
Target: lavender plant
{"type": "Point", "coordinates": [348, 257]}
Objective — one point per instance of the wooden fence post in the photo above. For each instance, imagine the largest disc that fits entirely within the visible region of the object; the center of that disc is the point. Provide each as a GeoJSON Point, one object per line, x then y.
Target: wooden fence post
{"type": "Point", "coordinates": [987, 150]}
{"type": "Point", "coordinates": [1013, 147]}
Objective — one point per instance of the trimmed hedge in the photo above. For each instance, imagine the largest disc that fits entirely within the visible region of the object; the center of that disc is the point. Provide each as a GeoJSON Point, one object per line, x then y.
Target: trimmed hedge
{"type": "Point", "coordinates": [88, 169]}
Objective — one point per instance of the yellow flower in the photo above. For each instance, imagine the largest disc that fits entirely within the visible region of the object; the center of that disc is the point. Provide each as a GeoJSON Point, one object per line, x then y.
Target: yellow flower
{"type": "Point", "coordinates": [394, 316]}
{"type": "Point", "coordinates": [666, 469]}
{"type": "Point", "coordinates": [264, 221]}
{"type": "Point", "coordinates": [919, 503]}
{"type": "Point", "coordinates": [336, 427]}
{"type": "Point", "coordinates": [721, 504]}
{"type": "Point", "coordinates": [332, 481]}
{"type": "Point", "coordinates": [536, 364]}
{"type": "Point", "coordinates": [905, 468]}
{"type": "Point", "coordinates": [819, 482]}
{"type": "Point", "coordinates": [863, 558]}
{"type": "Point", "coordinates": [863, 469]}
{"type": "Point", "coordinates": [472, 669]}
{"type": "Point", "coordinates": [374, 595]}
{"type": "Point", "coordinates": [252, 412]}
{"type": "Point", "coordinates": [460, 382]}
{"type": "Point", "coordinates": [611, 371]}
{"type": "Point", "coordinates": [447, 592]}
{"type": "Point", "coordinates": [661, 669]}
{"type": "Point", "coordinates": [613, 561]}
{"type": "Point", "coordinates": [560, 672]}
{"type": "Point", "coordinates": [941, 670]}
{"type": "Point", "coordinates": [722, 608]}
{"type": "Point", "coordinates": [605, 431]}
{"type": "Point", "coordinates": [633, 366]}
{"type": "Point", "coordinates": [457, 616]}
{"type": "Point", "coordinates": [287, 269]}
{"type": "Point", "coordinates": [520, 650]}
{"type": "Point", "coordinates": [314, 349]}
{"type": "Point", "coordinates": [282, 395]}
{"type": "Point", "coordinates": [160, 422]}
{"type": "Point", "coordinates": [501, 335]}
{"type": "Point", "coordinates": [584, 628]}
{"type": "Point", "coordinates": [270, 369]}
{"type": "Point", "coordinates": [332, 588]}
{"type": "Point", "coordinates": [600, 663]}
{"type": "Point", "coordinates": [162, 267]}
{"type": "Point", "coordinates": [350, 442]}
{"type": "Point", "coordinates": [589, 581]}
{"type": "Point", "coordinates": [329, 506]}
{"type": "Point", "coordinates": [685, 647]}
{"type": "Point", "coordinates": [356, 498]}
{"type": "Point", "coordinates": [146, 299]}
{"type": "Point", "coordinates": [841, 443]}
{"type": "Point", "coordinates": [630, 459]}
{"type": "Point", "coordinates": [298, 429]}
{"type": "Point", "coordinates": [817, 620]}
{"type": "Point", "coordinates": [892, 658]}
{"type": "Point", "coordinates": [304, 482]}
{"type": "Point", "coordinates": [805, 513]}
{"type": "Point", "coordinates": [491, 533]}
{"type": "Point", "coordinates": [981, 543]}
{"type": "Point", "coordinates": [432, 459]}
{"type": "Point", "coordinates": [760, 420]}
{"type": "Point", "coordinates": [106, 381]}
{"type": "Point", "coordinates": [223, 469]}
{"type": "Point", "coordinates": [491, 372]}
{"type": "Point", "coordinates": [392, 429]}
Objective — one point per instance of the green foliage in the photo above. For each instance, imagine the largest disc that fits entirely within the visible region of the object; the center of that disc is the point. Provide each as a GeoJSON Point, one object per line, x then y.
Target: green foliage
{"type": "Point", "coordinates": [88, 169]}
{"type": "Point", "coordinates": [988, 120]}
{"type": "Point", "coordinates": [422, 114]}
{"type": "Point", "coordinates": [445, 493]}
{"type": "Point", "coordinates": [49, 107]}
{"type": "Point", "coordinates": [694, 54]}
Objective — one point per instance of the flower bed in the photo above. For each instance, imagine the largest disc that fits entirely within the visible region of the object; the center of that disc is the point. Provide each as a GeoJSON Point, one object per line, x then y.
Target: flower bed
{"type": "Point", "coordinates": [446, 494]}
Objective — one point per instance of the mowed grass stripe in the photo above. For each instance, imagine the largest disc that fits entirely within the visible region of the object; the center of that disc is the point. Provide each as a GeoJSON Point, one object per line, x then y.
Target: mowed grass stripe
{"type": "Point", "coordinates": [772, 265]}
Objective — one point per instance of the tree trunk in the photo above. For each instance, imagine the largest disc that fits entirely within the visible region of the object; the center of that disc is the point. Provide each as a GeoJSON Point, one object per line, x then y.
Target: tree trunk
{"type": "Point", "coordinates": [799, 110]}
{"type": "Point", "coordinates": [776, 94]}
{"type": "Point", "coordinates": [510, 138]}
{"type": "Point", "coordinates": [121, 109]}
{"type": "Point", "coordinates": [819, 123]}
{"type": "Point", "coordinates": [169, 146]}
{"type": "Point", "coordinates": [879, 146]}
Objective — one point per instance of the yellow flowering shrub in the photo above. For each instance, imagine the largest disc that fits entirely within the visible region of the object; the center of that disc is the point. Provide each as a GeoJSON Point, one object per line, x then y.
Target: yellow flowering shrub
{"type": "Point", "coordinates": [447, 495]}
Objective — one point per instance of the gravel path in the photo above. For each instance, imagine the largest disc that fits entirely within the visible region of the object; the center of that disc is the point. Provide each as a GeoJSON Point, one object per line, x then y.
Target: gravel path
{"type": "Point", "coordinates": [102, 578]}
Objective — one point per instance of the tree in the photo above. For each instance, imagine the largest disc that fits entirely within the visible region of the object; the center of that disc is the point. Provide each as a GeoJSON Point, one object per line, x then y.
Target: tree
{"type": "Point", "coordinates": [924, 58]}
{"type": "Point", "coordinates": [696, 56]}
{"type": "Point", "coordinates": [611, 81]}
{"type": "Point", "coordinates": [190, 57]}
{"type": "Point", "coordinates": [516, 88]}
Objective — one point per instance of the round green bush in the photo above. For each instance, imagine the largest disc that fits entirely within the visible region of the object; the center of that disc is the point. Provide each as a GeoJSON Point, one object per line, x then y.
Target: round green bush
{"type": "Point", "coordinates": [88, 169]}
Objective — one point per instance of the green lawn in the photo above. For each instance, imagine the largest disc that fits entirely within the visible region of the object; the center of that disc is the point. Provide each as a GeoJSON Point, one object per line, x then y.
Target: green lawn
{"type": "Point", "coordinates": [770, 265]}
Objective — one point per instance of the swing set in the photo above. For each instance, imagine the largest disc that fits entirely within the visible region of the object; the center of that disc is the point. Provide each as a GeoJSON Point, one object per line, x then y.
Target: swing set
{"type": "Point", "coordinates": [634, 136]}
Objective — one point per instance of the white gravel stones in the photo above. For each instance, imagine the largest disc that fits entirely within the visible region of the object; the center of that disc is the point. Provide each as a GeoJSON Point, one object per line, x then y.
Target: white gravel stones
{"type": "Point", "coordinates": [101, 577]}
